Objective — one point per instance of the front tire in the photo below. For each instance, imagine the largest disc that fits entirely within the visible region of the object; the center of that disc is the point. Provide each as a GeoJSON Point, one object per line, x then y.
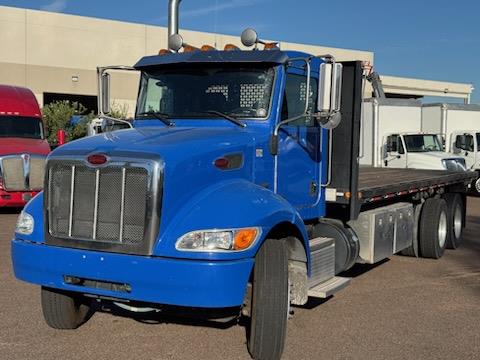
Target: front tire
{"type": "Point", "coordinates": [64, 310]}
{"type": "Point", "coordinates": [455, 220]}
{"type": "Point", "coordinates": [433, 232]}
{"type": "Point", "coordinates": [270, 301]}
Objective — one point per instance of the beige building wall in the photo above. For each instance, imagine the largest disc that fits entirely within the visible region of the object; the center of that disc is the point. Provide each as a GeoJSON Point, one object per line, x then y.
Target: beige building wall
{"type": "Point", "coordinates": [45, 51]}
{"type": "Point", "coordinates": [59, 53]}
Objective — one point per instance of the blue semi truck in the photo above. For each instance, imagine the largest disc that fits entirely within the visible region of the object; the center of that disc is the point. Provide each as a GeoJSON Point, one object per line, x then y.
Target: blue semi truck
{"type": "Point", "coordinates": [237, 188]}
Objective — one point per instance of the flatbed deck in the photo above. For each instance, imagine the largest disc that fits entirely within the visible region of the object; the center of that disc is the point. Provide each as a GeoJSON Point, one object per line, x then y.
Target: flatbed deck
{"type": "Point", "coordinates": [382, 183]}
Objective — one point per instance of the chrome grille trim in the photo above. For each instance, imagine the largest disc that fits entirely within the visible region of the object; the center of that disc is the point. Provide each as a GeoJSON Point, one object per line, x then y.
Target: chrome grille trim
{"type": "Point", "coordinates": [29, 174]}
{"type": "Point", "coordinates": [72, 188]}
{"type": "Point", "coordinates": [95, 210]}
{"type": "Point", "coordinates": [122, 204]}
{"type": "Point", "coordinates": [122, 197]}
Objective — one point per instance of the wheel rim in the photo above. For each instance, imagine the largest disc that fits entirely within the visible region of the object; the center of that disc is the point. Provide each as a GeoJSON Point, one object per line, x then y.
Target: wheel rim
{"type": "Point", "coordinates": [442, 229]}
{"type": "Point", "coordinates": [457, 222]}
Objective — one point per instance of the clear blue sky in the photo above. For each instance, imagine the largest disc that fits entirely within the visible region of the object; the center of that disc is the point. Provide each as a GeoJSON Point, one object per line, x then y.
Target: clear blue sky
{"type": "Point", "coordinates": [438, 40]}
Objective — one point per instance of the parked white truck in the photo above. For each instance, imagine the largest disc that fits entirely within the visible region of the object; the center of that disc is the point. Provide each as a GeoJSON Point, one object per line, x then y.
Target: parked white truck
{"type": "Point", "coordinates": [392, 136]}
{"type": "Point", "coordinates": [460, 126]}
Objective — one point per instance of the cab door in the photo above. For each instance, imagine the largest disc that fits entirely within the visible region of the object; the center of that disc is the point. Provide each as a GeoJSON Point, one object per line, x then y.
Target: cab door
{"type": "Point", "coordinates": [299, 157]}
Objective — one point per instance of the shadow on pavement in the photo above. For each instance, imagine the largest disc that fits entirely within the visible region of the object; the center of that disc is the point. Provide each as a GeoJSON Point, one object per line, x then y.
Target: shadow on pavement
{"type": "Point", "coordinates": [213, 318]}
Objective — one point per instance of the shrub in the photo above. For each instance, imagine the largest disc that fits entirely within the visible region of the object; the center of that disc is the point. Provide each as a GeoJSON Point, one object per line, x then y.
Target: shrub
{"type": "Point", "coordinates": [58, 115]}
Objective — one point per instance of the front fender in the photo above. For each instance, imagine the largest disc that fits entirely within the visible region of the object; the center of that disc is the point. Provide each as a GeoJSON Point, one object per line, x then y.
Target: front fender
{"type": "Point", "coordinates": [229, 204]}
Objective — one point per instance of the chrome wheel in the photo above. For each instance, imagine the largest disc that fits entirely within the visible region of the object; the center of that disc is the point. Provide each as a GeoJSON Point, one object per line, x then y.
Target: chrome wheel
{"type": "Point", "coordinates": [457, 221]}
{"type": "Point", "coordinates": [442, 229]}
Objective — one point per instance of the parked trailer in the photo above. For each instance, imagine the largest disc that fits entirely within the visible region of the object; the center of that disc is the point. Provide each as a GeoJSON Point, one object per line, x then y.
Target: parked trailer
{"type": "Point", "coordinates": [392, 136]}
{"type": "Point", "coordinates": [460, 125]}
{"type": "Point", "coordinates": [23, 146]}
{"type": "Point", "coordinates": [232, 191]}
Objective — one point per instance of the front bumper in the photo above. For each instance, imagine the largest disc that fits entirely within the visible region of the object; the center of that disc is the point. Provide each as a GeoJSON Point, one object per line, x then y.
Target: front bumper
{"type": "Point", "coordinates": [194, 283]}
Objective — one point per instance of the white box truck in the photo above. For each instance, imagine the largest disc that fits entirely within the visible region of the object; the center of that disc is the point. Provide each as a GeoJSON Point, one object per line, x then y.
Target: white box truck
{"type": "Point", "coordinates": [392, 136]}
{"type": "Point", "coordinates": [460, 126]}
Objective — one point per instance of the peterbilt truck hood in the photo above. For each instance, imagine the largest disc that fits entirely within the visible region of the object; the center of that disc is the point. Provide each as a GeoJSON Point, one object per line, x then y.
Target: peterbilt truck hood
{"type": "Point", "coordinates": [172, 144]}
{"type": "Point", "coordinates": [430, 160]}
{"type": "Point", "coordinates": [10, 145]}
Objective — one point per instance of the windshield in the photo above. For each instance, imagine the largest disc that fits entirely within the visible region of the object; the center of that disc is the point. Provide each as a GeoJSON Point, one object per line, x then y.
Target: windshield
{"type": "Point", "coordinates": [191, 92]}
{"type": "Point", "coordinates": [21, 127]}
{"type": "Point", "coordinates": [422, 143]}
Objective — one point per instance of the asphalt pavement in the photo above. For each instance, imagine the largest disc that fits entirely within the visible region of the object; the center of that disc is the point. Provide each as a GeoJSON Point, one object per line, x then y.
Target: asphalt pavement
{"type": "Point", "coordinates": [403, 308]}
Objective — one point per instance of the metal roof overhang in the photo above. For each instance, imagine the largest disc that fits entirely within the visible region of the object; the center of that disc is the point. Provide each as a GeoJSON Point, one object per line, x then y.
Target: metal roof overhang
{"type": "Point", "coordinates": [204, 57]}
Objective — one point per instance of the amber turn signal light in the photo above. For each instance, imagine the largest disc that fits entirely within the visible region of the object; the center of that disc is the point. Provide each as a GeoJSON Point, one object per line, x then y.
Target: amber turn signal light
{"type": "Point", "coordinates": [244, 238]}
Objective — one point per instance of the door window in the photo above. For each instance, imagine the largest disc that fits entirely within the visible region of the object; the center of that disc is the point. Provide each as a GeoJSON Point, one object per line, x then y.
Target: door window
{"type": "Point", "coordinates": [295, 96]}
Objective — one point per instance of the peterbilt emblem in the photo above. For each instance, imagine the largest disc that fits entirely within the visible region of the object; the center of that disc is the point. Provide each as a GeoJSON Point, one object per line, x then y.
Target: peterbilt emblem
{"type": "Point", "coordinates": [97, 159]}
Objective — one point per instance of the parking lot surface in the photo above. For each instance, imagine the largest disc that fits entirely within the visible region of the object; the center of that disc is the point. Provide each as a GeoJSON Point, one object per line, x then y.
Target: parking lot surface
{"type": "Point", "coordinates": [403, 308]}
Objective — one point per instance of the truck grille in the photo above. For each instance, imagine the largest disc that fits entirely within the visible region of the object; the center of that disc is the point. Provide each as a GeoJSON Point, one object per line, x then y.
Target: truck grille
{"type": "Point", "coordinates": [23, 172]}
{"type": "Point", "coordinates": [107, 208]}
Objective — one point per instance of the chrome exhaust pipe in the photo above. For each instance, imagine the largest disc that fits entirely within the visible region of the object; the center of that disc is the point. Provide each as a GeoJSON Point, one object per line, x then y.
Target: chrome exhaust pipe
{"type": "Point", "coordinates": [173, 6]}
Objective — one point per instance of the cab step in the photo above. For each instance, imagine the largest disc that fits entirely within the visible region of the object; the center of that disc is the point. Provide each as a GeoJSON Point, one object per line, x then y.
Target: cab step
{"type": "Point", "coordinates": [329, 287]}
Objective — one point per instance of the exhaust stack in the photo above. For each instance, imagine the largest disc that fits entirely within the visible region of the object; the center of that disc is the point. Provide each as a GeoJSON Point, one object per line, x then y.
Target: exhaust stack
{"type": "Point", "coordinates": [173, 6]}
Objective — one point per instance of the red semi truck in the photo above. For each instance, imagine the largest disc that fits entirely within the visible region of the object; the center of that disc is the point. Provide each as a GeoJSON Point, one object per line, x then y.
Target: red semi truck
{"type": "Point", "coordinates": [23, 146]}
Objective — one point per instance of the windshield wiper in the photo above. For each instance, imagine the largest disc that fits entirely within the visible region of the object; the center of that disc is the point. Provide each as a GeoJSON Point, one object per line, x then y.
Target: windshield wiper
{"type": "Point", "coordinates": [226, 116]}
{"type": "Point", "coordinates": [160, 116]}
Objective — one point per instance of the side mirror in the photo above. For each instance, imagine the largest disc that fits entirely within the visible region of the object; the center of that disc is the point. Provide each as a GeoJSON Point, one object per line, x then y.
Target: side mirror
{"type": "Point", "coordinates": [392, 145]}
{"type": "Point", "coordinates": [105, 93]}
{"type": "Point", "coordinates": [469, 145]}
{"type": "Point", "coordinates": [329, 88]}
{"type": "Point", "coordinates": [460, 142]}
{"type": "Point", "coordinates": [329, 95]}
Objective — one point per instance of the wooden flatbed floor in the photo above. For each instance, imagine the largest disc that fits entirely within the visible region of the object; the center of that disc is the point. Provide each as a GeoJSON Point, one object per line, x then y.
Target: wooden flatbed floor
{"type": "Point", "coordinates": [380, 182]}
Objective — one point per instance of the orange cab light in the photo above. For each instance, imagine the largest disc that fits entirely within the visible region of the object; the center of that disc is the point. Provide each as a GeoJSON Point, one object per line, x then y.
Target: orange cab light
{"type": "Point", "coordinates": [230, 47]}
{"type": "Point", "coordinates": [207, 48]}
{"type": "Point", "coordinates": [244, 238]}
{"type": "Point", "coordinates": [270, 46]}
{"type": "Point", "coordinates": [163, 52]}
{"type": "Point", "coordinates": [189, 48]}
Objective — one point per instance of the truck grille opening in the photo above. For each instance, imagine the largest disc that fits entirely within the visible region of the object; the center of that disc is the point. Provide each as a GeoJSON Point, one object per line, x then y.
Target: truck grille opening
{"type": "Point", "coordinates": [23, 172]}
{"type": "Point", "coordinates": [103, 205]}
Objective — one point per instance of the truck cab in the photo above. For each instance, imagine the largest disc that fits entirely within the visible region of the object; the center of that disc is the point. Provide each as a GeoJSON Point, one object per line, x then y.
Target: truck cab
{"type": "Point", "coordinates": [419, 151]}
{"type": "Point", "coordinates": [23, 146]}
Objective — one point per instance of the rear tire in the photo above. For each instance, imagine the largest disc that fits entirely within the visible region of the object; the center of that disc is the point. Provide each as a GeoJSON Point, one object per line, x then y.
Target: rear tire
{"type": "Point", "coordinates": [433, 230]}
{"type": "Point", "coordinates": [456, 220]}
{"type": "Point", "coordinates": [64, 310]}
{"type": "Point", "coordinates": [270, 301]}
